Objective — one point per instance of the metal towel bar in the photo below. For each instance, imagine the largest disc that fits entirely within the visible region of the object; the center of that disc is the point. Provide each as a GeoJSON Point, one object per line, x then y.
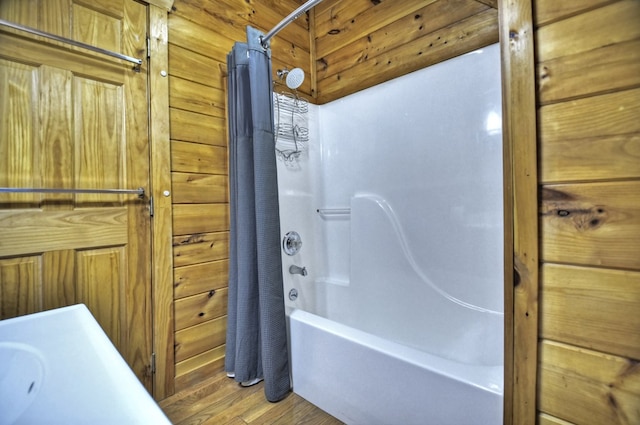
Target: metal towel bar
{"type": "Point", "coordinates": [34, 31]}
{"type": "Point", "coordinates": [139, 191]}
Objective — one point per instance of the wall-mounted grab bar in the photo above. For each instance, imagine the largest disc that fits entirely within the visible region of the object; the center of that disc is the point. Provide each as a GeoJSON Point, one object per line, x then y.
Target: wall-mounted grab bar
{"type": "Point", "coordinates": [34, 31]}
{"type": "Point", "coordinates": [139, 191]}
{"type": "Point", "coordinates": [333, 211]}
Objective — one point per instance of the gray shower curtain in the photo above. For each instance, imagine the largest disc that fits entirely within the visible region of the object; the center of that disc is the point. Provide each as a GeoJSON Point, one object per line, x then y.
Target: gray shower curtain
{"type": "Point", "coordinates": [256, 328]}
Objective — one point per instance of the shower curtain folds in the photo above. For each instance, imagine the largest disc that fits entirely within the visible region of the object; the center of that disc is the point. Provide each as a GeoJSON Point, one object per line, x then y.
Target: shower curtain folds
{"type": "Point", "coordinates": [256, 329]}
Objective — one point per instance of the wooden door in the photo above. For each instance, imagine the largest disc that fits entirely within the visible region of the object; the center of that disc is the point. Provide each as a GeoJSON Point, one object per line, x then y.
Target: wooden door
{"type": "Point", "coordinates": [71, 118]}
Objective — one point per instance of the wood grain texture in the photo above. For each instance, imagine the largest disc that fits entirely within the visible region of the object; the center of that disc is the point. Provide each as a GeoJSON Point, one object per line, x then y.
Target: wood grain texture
{"type": "Point", "coordinates": [234, 16]}
{"type": "Point", "coordinates": [545, 419]}
{"type": "Point", "coordinates": [101, 286]}
{"type": "Point", "coordinates": [548, 11]}
{"type": "Point", "coordinates": [592, 224]}
{"type": "Point", "coordinates": [197, 158]}
{"type": "Point", "coordinates": [220, 400]}
{"type": "Point", "coordinates": [61, 267]}
{"type": "Point", "coordinates": [433, 17]}
{"type": "Point", "coordinates": [473, 33]}
{"type": "Point", "coordinates": [161, 184]}
{"type": "Point", "coordinates": [588, 387]}
{"type": "Point", "coordinates": [592, 308]}
{"type": "Point", "coordinates": [200, 218]}
{"type": "Point", "coordinates": [521, 221]}
{"type": "Point", "coordinates": [20, 286]}
{"type": "Point", "coordinates": [57, 132]}
{"type": "Point", "coordinates": [200, 338]}
{"type": "Point", "coordinates": [490, 3]}
{"type": "Point", "coordinates": [193, 188]}
{"type": "Point", "coordinates": [101, 165]}
{"type": "Point", "coordinates": [589, 168]}
{"type": "Point", "coordinates": [200, 248]}
{"type": "Point", "coordinates": [102, 28]}
{"type": "Point", "coordinates": [138, 300]}
{"type": "Point", "coordinates": [43, 231]}
{"type": "Point", "coordinates": [201, 33]}
{"type": "Point", "coordinates": [163, 4]}
{"type": "Point", "coordinates": [114, 8]}
{"type": "Point", "coordinates": [590, 159]}
{"type": "Point", "coordinates": [360, 45]}
{"type": "Point", "coordinates": [19, 160]}
{"type": "Point", "coordinates": [197, 278]}
{"type": "Point", "coordinates": [348, 21]}
{"type": "Point", "coordinates": [79, 63]}
{"type": "Point", "coordinates": [199, 128]}
{"type": "Point", "coordinates": [199, 368]}
{"type": "Point", "coordinates": [195, 97]}
{"type": "Point", "coordinates": [20, 12]}
{"type": "Point", "coordinates": [611, 24]}
{"type": "Point", "coordinates": [564, 78]}
{"type": "Point", "coordinates": [205, 41]}
{"type": "Point", "coordinates": [196, 67]}
{"type": "Point", "coordinates": [51, 20]}
{"type": "Point", "coordinates": [87, 128]}
{"type": "Point", "coordinates": [196, 309]}
{"type": "Point", "coordinates": [598, 116]}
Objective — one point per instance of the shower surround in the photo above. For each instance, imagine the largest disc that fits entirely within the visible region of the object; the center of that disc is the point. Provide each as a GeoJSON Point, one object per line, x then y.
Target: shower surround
{"type": "Point", "coordinates": [398, 200]}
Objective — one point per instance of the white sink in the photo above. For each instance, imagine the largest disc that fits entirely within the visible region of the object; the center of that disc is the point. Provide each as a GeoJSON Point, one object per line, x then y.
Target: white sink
{"type": "Point", "coordinates": [22, 373]}
{"type": "Point", "coordinates": [59, 367]}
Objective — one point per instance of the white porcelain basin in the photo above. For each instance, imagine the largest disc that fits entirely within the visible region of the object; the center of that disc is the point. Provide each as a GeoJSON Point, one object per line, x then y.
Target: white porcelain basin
{"type": "Point", "coordinates": [22, 373]}
{"type": "Point", "coordinates": [59, 367]}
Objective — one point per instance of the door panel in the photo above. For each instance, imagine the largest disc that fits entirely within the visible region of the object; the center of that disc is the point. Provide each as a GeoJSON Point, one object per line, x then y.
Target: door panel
{"type": "Point", "coordinates": [19, 106]}
{"type": "Point", "coordinates": [21, 289]}
{"type": "Point", "coordinates": [101, 286]}
{"type": "Point", "coordinates": [69, 119]}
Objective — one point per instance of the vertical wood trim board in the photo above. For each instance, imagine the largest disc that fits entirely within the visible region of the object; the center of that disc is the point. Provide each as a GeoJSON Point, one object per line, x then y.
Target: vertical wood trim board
{"type": "Point", "coordinates": [521, 282]}
{"type": "Point", "coordinates": [162, 274]}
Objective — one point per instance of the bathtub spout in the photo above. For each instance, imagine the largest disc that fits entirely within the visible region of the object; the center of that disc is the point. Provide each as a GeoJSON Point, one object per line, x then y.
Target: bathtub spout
{"type": "Point", "coordinates": [298, 270]}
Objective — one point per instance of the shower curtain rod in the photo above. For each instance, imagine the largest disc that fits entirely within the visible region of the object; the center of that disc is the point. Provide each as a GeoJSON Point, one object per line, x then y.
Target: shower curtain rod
{"type": "Point", "coordinates": [264, 40]}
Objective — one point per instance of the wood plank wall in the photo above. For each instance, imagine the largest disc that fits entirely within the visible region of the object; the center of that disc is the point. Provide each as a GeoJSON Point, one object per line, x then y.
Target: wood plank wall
{"type": "Point", "coordinates": [361, 43]}
{"type": "Point", "coordinates": [588, 59]}
{"type": "Point", "coordinates": [201, 33]}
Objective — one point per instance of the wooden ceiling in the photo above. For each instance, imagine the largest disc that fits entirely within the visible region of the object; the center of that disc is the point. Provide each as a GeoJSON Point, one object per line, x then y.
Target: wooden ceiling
{"type": "Point", "coordinates": [360, 43]}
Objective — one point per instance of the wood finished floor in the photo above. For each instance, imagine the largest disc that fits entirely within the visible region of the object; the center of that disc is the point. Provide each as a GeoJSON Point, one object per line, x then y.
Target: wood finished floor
{"type": "Point", "coordinates": [221, 401]}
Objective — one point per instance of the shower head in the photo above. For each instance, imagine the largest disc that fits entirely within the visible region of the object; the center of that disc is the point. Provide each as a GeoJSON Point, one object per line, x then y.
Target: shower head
{"type": "Point", "coordinates": [294, 78]}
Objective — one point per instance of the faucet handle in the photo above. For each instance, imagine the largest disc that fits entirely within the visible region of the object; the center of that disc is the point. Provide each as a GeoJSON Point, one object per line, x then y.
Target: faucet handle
{"type": "Point", "coordinates": [293, 269]}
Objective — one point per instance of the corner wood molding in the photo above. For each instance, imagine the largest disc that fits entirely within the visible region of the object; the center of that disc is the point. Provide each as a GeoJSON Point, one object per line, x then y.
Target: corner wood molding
{"type": "Point", "coordinates": [162, 243]}
{"type": "Point", "coordinates": [521, 211]}
{"type": "Point", "coordinates": [163, 4]}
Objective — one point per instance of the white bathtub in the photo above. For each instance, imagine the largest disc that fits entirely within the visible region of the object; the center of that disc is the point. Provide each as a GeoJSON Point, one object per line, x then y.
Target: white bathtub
{"type": "Point", "coordinates": [363, 379]}
{"type": "Point", "coordinates": [392, 344]}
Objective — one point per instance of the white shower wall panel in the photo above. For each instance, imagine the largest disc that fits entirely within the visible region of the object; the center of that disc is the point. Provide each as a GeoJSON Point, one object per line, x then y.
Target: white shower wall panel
{"type": "Point", "coordinates": [430, 145]}
{"type": "Point", "coordinates": [405, 288]}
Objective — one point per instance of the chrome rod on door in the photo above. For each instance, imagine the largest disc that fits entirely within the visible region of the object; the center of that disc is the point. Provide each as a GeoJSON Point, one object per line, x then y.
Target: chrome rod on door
{"type": "Point", "coordinates": [139, 191]}
{"type": "Point", "coordinates": [34, 31]}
